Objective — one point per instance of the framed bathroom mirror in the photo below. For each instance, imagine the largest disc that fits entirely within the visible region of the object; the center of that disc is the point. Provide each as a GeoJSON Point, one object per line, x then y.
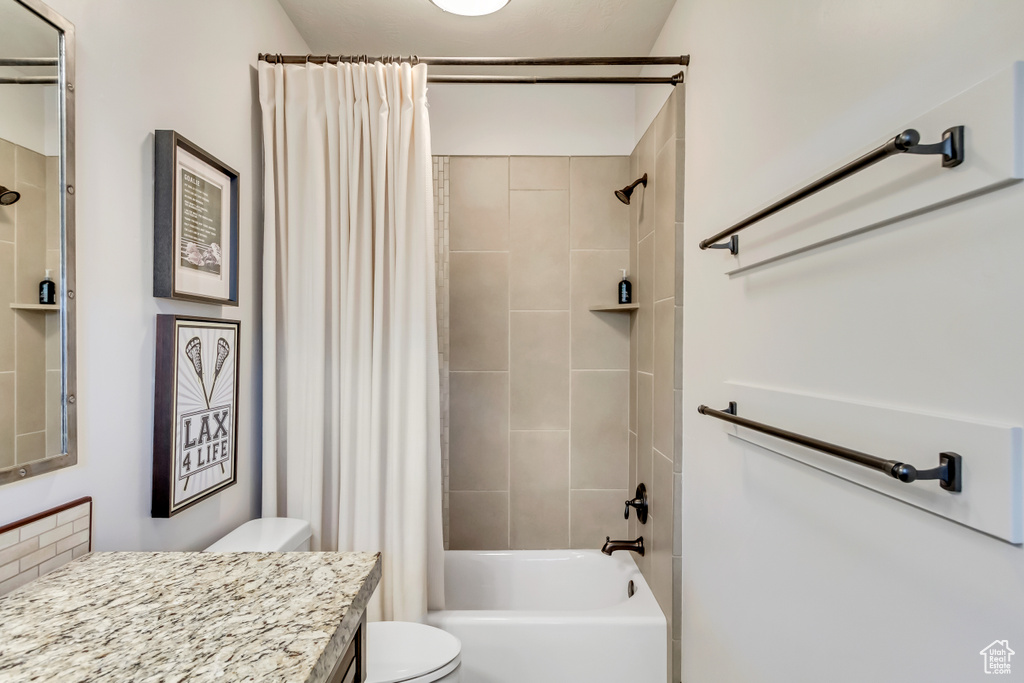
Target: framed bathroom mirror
{"type": "Point", "coordinates": [37, 241]}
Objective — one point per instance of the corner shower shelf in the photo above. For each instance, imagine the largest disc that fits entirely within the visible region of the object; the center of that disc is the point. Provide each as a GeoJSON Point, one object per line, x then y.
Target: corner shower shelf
{"type": "Point", "coordinates": [36, 307]}
{"type": "Point", "coordinates": [617, 308]}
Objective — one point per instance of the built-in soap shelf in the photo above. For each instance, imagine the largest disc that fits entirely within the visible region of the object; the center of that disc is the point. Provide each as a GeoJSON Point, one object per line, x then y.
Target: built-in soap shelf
{"type": "Point", "coordinates": [36, 307]}
{"type": "Point", "coordinates": [616, 308]}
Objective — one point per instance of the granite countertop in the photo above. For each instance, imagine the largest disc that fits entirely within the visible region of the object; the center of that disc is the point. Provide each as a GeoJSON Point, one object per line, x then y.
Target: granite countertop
{"type": "Point", "coordinates": [187, 616]}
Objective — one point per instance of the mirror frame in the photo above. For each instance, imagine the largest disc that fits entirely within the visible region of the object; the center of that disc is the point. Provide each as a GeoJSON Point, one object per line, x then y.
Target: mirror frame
{"type": "Point", "coordinates": [66, 89]}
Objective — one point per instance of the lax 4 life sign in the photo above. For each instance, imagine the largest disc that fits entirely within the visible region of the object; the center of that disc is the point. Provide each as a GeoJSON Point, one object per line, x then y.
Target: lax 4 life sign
{"type": "Point", "coordinates": [195, 420]}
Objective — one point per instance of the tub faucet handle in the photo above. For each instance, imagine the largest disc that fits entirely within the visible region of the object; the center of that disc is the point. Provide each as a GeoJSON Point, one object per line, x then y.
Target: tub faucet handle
{"type": "Point", "coordinates": [639, 503]}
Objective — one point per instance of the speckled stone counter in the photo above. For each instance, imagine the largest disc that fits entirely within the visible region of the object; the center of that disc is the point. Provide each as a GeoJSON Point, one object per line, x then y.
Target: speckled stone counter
{"type": "Point", "coordinates": [187, 617]}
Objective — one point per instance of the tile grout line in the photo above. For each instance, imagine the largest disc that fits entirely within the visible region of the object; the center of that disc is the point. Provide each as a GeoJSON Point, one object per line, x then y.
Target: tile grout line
{"type": "Point", "coordinates": [599, 370]}
{"type": "Point", "coordinates": [568, 245]}
{"type": "Point", "coordinates": [508, 350]}
{"type": "Point", "coordinates": [17, 274]}
{"type": "Point", "coordinates": [543, 431]}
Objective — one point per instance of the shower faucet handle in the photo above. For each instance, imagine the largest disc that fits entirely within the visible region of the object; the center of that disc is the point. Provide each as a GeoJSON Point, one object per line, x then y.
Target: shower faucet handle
{"type": "Point", "coordinates": [639, 503]}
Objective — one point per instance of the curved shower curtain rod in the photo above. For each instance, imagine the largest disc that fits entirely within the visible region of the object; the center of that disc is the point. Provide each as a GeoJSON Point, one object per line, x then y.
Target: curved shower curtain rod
{"type": "Point", "coordinates": [681, 60]}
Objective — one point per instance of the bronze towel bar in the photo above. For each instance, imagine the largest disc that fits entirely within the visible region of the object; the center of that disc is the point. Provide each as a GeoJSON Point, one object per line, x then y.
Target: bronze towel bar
{"type": "Point", "coordinates": [951, 148]}
{"type": "Point", "coordinates": [948, 473]}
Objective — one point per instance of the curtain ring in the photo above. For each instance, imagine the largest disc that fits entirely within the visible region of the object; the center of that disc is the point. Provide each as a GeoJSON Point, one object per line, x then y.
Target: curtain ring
{"type": "Point", "coordinates": [415, 60]}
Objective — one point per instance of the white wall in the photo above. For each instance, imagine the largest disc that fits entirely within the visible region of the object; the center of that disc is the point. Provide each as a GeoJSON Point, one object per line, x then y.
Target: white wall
{"type": "Point", "coordinates": [789, 573]}
{"type": "Point", "coordinates": [28, 114]}
{"type": "Point", "coordinates": [188, 66]}
{"type": "Point", "coordinates": [542, 120]}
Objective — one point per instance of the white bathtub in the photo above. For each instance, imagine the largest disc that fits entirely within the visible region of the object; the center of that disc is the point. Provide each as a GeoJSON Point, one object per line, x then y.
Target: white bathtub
{"type": "Point", "coordinates": [552, 616]}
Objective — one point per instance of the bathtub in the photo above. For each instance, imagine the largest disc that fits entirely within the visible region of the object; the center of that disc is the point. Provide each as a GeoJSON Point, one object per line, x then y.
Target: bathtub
{"type": "Point", "coordinates": [552, 616]}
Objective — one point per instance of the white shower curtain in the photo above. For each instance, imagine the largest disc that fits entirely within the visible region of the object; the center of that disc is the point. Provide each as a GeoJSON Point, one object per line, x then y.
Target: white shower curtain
{"type": "Point", "coordinates": [351, 425]}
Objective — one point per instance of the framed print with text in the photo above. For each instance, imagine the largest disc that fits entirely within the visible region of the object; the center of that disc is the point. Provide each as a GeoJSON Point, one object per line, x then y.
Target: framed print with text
{"type": "Point", "coordinates": [195, 220]}
{"type": "Point", "coordinates": [195, 421]}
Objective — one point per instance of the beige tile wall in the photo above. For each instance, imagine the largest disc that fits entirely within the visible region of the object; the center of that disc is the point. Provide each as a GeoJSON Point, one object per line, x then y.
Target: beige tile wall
{"type": "Point", "coordinates": [27, 551]}
{"type": "Point", "coordinates": [30, 363]}
{"type": "Point", "coordinates": [539, 385]}
{"type": "Point", "coordinates": [54, 370]}
{"type": "Point", "coordinates": [442, 188]}
{"type": "Point", "coordinates": [655, 382]}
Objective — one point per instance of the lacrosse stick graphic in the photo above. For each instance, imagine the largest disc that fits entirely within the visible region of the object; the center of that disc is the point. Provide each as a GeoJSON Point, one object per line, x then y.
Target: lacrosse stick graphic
{"type": "Point", "coordinates": [222, 353]}
{"type": "Point", "coordinates": [194, 351]}
{"type": "Point", "coordinates": [223, 350]}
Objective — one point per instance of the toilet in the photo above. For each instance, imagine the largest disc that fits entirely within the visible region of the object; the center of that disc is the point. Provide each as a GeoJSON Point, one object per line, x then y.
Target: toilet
{"type": "Point", "coordinates": [396, 651]}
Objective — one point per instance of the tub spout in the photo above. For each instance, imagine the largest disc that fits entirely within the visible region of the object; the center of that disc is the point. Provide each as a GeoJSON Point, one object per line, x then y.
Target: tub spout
{"type": "Point", "coordinates": [611, 546]}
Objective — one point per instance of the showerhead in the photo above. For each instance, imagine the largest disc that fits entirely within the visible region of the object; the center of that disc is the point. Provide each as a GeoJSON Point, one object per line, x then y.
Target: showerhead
{"type": "Point", "coordinates": [8, 197]}
{"type": "Point", "coordinates": [624, 194]}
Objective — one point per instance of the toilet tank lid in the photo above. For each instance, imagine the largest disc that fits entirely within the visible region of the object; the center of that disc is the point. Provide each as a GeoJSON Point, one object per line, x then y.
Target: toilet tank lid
{"type": "Point", "coordinates": [266, 535]}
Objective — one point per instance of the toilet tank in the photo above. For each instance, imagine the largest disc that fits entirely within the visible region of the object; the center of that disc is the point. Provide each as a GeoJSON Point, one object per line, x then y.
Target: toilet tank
{"type": "Point", "coordinates": [267, 535]}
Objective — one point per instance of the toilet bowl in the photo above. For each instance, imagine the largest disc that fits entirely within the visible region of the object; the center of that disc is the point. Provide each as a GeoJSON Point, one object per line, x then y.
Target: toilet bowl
{"type": "Point", "coordinates": [397, 651]}
{"type": "Point", "coordinates": [404, 652]}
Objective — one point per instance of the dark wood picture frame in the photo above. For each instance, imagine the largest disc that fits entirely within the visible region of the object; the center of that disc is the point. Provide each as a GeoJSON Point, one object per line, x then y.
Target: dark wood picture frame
{"type": "Point", "coordinates": [166, 251]}
{"type": "Point", "coordinates": [170, 358]}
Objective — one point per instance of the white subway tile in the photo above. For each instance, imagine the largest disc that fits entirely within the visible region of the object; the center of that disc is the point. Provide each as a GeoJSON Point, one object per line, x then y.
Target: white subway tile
{"type": "Point", "coordinates": [51, 537]}
{"type": "Point", "coordinates": [73, 514]}
{"type": "Point", "coordinates": [16, 552]}
{"type": "Point", "coordinates": [8, 570]}
{"type": "Point", "coordinates": [19, 580]}
{"type": "Point", "coordinates": [73, 540]}
{"type": "Point", "coordinates": [38, 527]}
{"type": "Point", "coordinates": [54, 562]}
{"type": "Point", "coordinates": [79, 550]}
{"type": "Point", "coordinates": [82, 524]}
{"type": "Point", "coordinates": [9, 539]}
{"type": "Point", "coordinates": [38, 556]}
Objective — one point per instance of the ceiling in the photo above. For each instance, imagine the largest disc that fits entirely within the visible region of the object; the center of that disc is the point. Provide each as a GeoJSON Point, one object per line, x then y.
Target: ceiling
{"type": "Point", "coordinates": [523, 28]}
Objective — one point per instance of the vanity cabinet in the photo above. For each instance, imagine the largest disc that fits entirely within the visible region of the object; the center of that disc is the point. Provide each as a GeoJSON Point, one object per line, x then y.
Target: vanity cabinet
{"type": "Point", "coordinates": [351, 668]}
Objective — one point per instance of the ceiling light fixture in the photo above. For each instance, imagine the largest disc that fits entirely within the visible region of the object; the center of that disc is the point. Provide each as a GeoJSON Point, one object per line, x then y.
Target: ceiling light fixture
{"type": "Point", "coordinates": [470, 8]}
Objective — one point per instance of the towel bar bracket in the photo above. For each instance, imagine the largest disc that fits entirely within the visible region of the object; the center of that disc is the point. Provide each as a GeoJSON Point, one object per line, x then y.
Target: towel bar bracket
{"type": "Point", "coordinates": [733, 245]}
{"type": "Point", "coordinates": [948, 472]}
{"type": "Point", "coordinates": [951, 147]}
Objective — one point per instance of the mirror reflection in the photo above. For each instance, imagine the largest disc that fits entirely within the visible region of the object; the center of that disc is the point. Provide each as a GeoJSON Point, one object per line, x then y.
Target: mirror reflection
{"type": "Point", "coordinates": [31, 335]}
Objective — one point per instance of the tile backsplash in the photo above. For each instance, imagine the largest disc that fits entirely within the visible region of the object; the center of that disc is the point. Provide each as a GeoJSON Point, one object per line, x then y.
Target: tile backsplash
{"type": "Point", "coordinates": [39, 544]}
